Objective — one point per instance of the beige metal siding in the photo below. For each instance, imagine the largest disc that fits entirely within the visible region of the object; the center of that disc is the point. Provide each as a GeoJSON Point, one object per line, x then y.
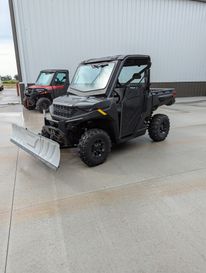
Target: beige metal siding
{"type": "Point", "coordinates": [60, 33]}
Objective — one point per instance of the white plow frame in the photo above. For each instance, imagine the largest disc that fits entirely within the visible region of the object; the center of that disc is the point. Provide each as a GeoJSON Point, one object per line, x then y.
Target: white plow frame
{"type": "Point", "coordinates": [47, 150]}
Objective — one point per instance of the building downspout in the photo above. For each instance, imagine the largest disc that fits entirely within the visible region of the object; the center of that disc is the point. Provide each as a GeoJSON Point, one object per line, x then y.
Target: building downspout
{"type": "Point", "coordinates": [16, 48]}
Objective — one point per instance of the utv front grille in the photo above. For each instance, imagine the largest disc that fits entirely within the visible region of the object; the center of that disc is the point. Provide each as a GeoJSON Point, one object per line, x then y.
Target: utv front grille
{"type": "Point", "coordinates": [29, 91]}
{"type": "Point", "coordinates": [64, 111]}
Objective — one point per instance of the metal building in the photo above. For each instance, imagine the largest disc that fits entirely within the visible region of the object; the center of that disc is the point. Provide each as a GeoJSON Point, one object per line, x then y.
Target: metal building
{"type": "Point", "coordinates": [61, 33]}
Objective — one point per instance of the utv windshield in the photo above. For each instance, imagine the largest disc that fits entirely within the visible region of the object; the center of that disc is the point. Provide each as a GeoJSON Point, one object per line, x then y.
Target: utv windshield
{"type": "Point", "coordinates": [45, 78]}
{"type": "Point", "coordinates": [90, 77]}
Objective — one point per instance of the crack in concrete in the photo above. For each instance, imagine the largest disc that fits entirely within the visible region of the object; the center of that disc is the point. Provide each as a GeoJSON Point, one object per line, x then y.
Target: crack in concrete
{"type": "Point", "coordinates": [11, 212]}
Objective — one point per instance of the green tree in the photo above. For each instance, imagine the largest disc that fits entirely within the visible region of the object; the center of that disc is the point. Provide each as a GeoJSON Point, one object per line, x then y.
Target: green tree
{"type": "Point", "coordinates": [16, 77]}
{"type": "Point", "coordinates": [6, 78]}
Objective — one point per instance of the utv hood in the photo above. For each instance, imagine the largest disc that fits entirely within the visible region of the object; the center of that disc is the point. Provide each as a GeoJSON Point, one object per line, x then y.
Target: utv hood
{"type": "Point", "coordinates": [40, 87]}
{"type": "Point", "coordinates": [76, 101]}
{"type": "Point", "coordinates": [73, 106]}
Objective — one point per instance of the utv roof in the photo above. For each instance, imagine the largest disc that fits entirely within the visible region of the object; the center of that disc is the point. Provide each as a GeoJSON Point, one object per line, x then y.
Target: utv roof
{"type": "Point", "coordinates": [54, 70]}
{"type": "Point", "coordinates": [117, 57]}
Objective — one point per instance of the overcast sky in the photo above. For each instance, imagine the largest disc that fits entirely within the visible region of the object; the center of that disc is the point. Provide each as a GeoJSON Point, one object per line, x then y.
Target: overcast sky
{"type": "Point", "coordinates": [7, 56]}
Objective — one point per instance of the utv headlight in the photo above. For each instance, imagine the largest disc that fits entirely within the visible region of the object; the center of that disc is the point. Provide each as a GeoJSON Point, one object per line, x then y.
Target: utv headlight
{"type": "Point", "coordinates": [40, 89]}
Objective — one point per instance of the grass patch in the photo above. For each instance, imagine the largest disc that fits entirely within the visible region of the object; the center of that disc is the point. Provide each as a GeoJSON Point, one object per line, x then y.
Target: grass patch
{"type": "Point", "coordinates": [11, 84]}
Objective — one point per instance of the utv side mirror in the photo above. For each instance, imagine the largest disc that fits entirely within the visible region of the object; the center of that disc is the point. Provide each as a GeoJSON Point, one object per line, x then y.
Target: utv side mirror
{"type": "Point", "coordinates": [136, 76]}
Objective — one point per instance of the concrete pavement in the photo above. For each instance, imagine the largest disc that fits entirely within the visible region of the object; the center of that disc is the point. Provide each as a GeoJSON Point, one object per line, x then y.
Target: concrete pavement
{"type": "Point", "coordinates": [9, 97]}
{"type": "Point", "coordinates": [143, 211]}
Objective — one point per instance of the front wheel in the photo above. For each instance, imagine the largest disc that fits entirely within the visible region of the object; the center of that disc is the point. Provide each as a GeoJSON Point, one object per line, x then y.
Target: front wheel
{"type": "Point", "coordinates": [159, 127]}
{"type": "Point", "coordinates": [43, 104]}
{"type": "Point", "coordinates": [28, 105]}
{"type": "Point", "coordinates": [94, 147]}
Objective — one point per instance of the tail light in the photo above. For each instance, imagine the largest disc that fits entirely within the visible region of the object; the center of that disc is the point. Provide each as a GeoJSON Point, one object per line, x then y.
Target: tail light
{"type": "Point", "coordinates": [174, 93]}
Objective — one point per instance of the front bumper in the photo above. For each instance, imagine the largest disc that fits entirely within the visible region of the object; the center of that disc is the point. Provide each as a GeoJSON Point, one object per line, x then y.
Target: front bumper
{"type": "Point", "coordinates": [59, 131]}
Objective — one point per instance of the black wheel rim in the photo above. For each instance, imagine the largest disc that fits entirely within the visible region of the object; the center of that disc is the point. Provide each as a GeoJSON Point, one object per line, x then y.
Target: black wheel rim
{"type": "Point", "coordinates": [163, 128]}
{"type": "Point", "coordinates": [98, 148]}
{"type": "Point", "coordinates": [45, 106]}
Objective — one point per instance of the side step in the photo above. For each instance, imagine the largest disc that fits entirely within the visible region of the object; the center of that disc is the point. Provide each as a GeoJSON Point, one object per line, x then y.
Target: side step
{"type": "Point", "coordinates": [46, 150]}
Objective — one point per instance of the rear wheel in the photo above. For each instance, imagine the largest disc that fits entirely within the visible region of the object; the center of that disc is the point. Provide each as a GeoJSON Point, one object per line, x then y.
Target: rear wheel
{"type": "Point", "coordinates": [94, 147]}
{"type": "Point", "coordinates": [43, 104]}
{"type": "Point", "coordinates": [159, 127]}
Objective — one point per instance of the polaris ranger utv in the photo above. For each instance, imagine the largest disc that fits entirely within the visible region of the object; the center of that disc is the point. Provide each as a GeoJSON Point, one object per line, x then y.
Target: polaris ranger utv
{"type": "Point", "coordinates": [50, 84]}
{"type": "Point", "coordinates": [109, 101]}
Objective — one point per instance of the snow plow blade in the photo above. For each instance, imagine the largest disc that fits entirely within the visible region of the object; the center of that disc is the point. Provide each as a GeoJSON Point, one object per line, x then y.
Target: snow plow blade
{"type": "Point", "coordinates": [47, 150]}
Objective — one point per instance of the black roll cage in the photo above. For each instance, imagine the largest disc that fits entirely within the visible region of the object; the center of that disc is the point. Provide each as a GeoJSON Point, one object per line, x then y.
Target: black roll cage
{"type": "Point", "coordinates": [118, 69]}
{"type": "Point", "coordinates": [119, 61]}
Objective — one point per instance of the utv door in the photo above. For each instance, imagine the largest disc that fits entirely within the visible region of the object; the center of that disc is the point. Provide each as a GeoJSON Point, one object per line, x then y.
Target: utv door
{"type": "Point", "coordinates": [133, 76]}
{"type": "Point", "coordinates": [60, 84]}
{"type": "Point", "coordinates": [132, 108]}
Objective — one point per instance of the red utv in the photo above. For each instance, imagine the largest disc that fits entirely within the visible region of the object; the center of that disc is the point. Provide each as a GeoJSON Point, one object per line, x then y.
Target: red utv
{"type": "Point", "coordinates": [50, 84]}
